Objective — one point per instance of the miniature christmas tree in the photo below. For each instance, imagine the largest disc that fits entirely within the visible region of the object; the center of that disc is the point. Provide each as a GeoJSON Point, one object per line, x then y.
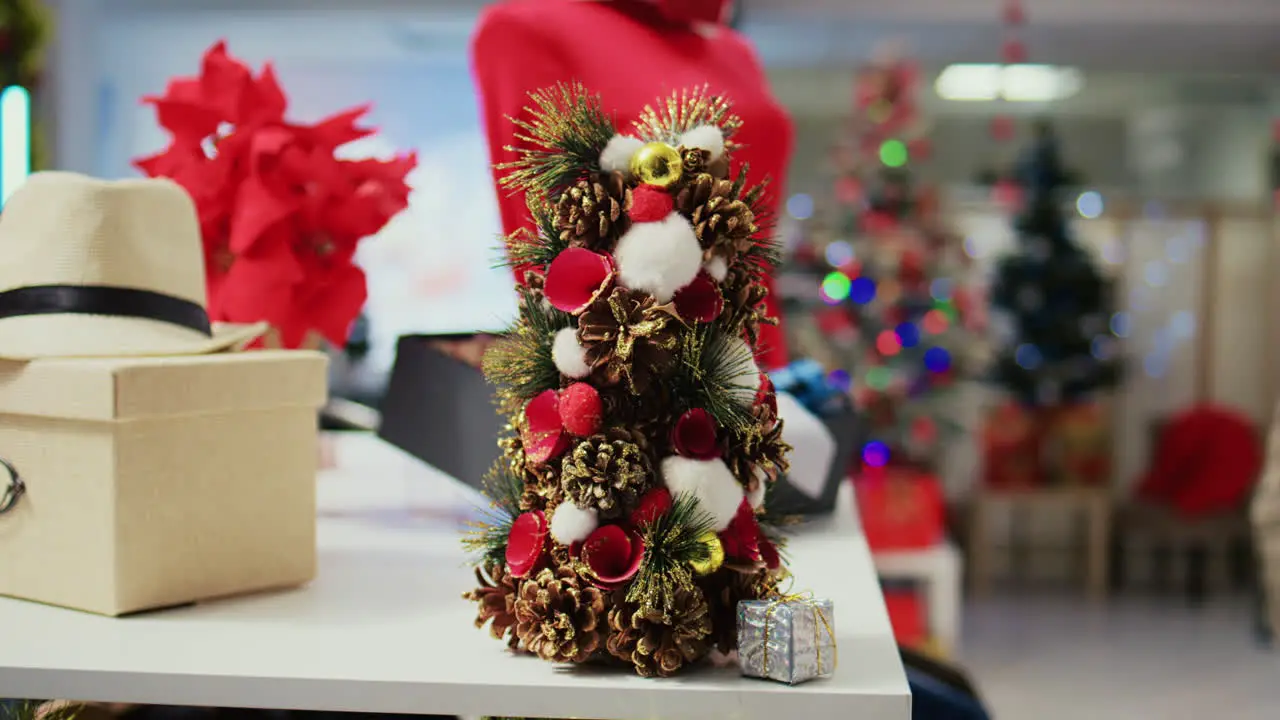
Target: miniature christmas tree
{"type": "Point", "coordinates": [627, 517]}
{"type": "Point", "coordinates": [895, 319]}
{"type": "Point", "coordinates": [1053, 305]}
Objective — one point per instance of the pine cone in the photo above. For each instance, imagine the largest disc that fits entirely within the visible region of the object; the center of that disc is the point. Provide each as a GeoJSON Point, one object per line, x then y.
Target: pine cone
{"type": "Point", "coordinates": [719, 217]}
{"type": "Point", "coordinates": [628, 337]}
{"type": "Point", "coordinates": [723, 590]}
{"type": "Point", "coordinates": [607, 472]}
{"type": "Point", "coordinates": [760, 452]}
{"type": "Point", "coordinates": [497, 597]}
{"type": "Point", "coordinates": [560, 617]}
{"type": "Point", "coordinates": [744, 304]}
{"type": "Point", "coordinates": [694, 160]}
{"type": "Point", "coordinates": [593, 213]}
{"type": "Point", "coordinates": [541, 482]}
{"type": "Point", "coordinates": [658, 645]}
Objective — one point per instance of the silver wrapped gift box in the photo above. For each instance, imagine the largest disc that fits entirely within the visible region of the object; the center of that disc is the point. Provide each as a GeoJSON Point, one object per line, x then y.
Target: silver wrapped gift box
{"type": "Point", "coordinates": [790, 640]}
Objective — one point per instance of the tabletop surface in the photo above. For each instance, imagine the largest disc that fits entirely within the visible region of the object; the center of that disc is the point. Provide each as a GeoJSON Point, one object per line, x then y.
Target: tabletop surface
{"type": "Point", "coordinates": [383, 629]}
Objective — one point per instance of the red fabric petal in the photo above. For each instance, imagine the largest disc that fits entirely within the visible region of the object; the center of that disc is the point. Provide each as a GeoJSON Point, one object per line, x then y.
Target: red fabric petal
{"type": "Point", "coordinates": [338, 129]}
{"type": "Point", "coordinates": [223, 81]}
{"type": "Point", "coordinates": [267, 102]}
{"type": "Point", "coordinates": [328, 303]}
{"type": "Point", "coordinates": [700, 300]}
{"type": "Point", "coordinates": [258, 287]}
{"type": "Point", "coordinates": [694, 435]}
{"type": "Point", "coordinates": [741, 540]}
{"type": "Point", "coordinates": [653, 505]}
{"type": "Point", "coordinates": [526, 543]}
{"type": "Point", "coordinates": [613, 555]}
{"type": "Point", "coordinates": [581, 409]}
{"type": "Point", "coordinates": [576, 278]}
{"type": "Point", "coordinates": [543, 436]}
{"type": "Point", "coordinates": [650, 203]}
{"type": "Point", "coordinates": [257, 209]}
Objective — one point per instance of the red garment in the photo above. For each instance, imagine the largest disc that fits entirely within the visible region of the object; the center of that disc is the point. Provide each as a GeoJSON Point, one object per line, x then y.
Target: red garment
{"type": "Point", "coordinates": [1206, 462]}
{"type": "Point", "coordinates": [633, 55]}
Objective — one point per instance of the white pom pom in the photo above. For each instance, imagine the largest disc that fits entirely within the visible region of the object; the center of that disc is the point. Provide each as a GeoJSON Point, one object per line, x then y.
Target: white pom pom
{"type": "Point", "coordinates": [571, 524]}
{"type": "Point", "coordinates": [710, 481]}
{"type": "Point", "coordinates": [705, 137]}
{"type": "Point", "coordinates": [616, 156]}
{"type": "Point", "coordinates": [659, 257]}
{"type": "Point", "coordinates": [569, 355]}
{"type": "Point", "coordinates": [746, 379]}
{"type": "Point", "coordinates": [717, 267]}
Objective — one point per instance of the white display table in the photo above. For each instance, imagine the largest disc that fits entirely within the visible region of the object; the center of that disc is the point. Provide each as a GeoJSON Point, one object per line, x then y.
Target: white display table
{"type": "Point", "coordinates": [383, 629]}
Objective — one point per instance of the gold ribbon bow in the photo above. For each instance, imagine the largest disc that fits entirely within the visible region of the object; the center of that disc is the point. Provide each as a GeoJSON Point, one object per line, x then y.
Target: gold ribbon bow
{"type": "Point", "coordinates": [804, 597]}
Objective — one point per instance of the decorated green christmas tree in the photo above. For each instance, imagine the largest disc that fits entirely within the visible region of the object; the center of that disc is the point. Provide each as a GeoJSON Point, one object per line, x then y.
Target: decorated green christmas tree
{"type": "Point", "coordinates": [628, 510]}
{"type": "Point", "coordinates": [891, 312]}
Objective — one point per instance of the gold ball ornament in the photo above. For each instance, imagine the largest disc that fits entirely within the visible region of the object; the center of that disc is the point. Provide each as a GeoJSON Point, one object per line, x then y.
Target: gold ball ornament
{"type": "Point", "coordinates": [657, 164]}
{"type": "Point", "coordinates": [715, 555]}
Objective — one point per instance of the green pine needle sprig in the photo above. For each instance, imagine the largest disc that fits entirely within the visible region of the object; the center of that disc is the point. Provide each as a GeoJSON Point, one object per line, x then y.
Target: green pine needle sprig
{"type": "Point", "coordinates": [520, 362]}
{"type": "Point", "coordinates": [708, 375]}
{"type": "Point", "coordinates": [685, 110]}
{"type": "Point", "coordinates": [562, 138]}
{"type": "Point", "coordinates": [671, 543]}
{"type": "Point", "coordinates": [487, 539]}
{"type": "Point", "coordinates": [534, 248]}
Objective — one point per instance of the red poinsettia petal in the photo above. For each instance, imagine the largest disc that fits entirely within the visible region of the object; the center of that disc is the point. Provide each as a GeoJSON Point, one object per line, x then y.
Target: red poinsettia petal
{"type": "Point", "coordinates": [266, 101]}
{"type": "Point", "coordinates": [223, 81]}
{"type": "Point", "coordinates": [259, 286]}
{"type": "Point", "coordinates": [613, 555]}
{"type": "Point", "coordinates": [576, 278]}
{"type": "Point", "coordinates": [650, 203]}
{"type": "Point", "coordinates": [700, 300]}
{"type": "Point", "coordinates": [257, 210]}
{"type": "Point", "coordinates": [189, 122]}
{"type": "Point", "coordinates": [581, 409]}
{"type": "Point", "coordinates": [543, 436]}
{"type": "Point", "coordinates": [328, 302]}
{"type": "Point", "coordinates": [695, 435]}
{"type": "Point", "coordinates": [526, 543]}
{"type": "Point", "coordinates": [653, 505]}
{"type": "Point", "coordinates": [338, 129]}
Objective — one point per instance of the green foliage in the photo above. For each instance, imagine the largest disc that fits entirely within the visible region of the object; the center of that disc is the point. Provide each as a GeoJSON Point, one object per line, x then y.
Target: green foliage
{"type": "Point", "coordinates": [685, 110]}
{"type": "Point", "coordinates": [525, 248]}
{"type": "Point", "coordinates": [712, 361]}
{"type": "Point", "coordinates": [520, 362]}
{"type": "Point", "coordinates": [487, 539]}
{"type": "Point", "coordinates": [671, 543]}
{"type": "Point", "coordinates": [563, 136]}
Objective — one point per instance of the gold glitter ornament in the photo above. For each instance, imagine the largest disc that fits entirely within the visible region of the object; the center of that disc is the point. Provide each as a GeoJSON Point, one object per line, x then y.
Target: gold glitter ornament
{"type": "Point", "coordinates": [657, 164]}
{"type": "Point", "coordinates": [715, 555]}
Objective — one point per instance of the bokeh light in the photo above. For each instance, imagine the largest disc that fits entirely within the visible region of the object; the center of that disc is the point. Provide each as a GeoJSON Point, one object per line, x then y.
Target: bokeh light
{"type": "Point", "coordinates": [937, 359]}
{"type": "Point", "coordinates": [941, 289]}
{"type": "Point", "coordinates": [840, 380]}
{"type": "Point", "coordinates": [935, 322]}
{"type": "Point", "coordinates": [1028, 356]}
{"type": "Point", "coordinates": [878, 378]}
{"type": "Point", "coordinates": [1183, 325]}
{"type": "Point", "coordinates": [835, 287]}
{"type": "Point", "coordinates": [893, 153]}
{"type": "Point", "coordinates": [800, 206]}
{"type": "Point", "coordinates": [908, 334]}
{"type": "Point", "coordinates": [862, 290]}
{"type": "Point", "coordinates": [1089, 204]}
{"type": "Point", "coordinates": [875, 454]}
{"type": "Point", "coordinates": [887, 343]}
{"type": "Point", "coordinates": [1120, 324]}
{"type": "Point", "coordinates": [1155, 273]}
{"type": "Point", "coordinates": [839, 253]}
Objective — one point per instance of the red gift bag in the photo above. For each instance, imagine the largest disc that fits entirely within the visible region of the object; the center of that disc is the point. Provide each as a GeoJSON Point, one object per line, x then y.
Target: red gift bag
{"type": "Point", "coordinates": [1012, 459]}
{"type": "Point", "coordinates": [907, 615]}
{"type": "Point", "coordinates": [901, 509]}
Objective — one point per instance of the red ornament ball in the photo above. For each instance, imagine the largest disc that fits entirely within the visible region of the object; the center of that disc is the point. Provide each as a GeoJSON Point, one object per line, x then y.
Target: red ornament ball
{"type": "Point", "coordinates": [650, 203]}
{"type": "Point", "coordinates": [653, 505]}
{"type": "Point", "coordinates": [581, 409]}
{"type": "Point", "coordinates": [700, 300]}
{"type": "Point", "coordinates": [526, 543]}
{"type": "Point", "coordinates": [695, 435]}
{"type": "Point", "coordinates": [543, 435]}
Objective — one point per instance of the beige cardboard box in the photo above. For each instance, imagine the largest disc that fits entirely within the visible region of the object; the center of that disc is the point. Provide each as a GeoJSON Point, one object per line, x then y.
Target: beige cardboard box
{"type": "Point", "coordinates": [154, 482]}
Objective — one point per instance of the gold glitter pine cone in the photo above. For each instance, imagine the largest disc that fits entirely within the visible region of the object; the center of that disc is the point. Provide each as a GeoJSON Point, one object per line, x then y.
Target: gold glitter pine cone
{"type": "Point", "coordinates": [593, 213]}
{"type": "Point", "coordinates": [719, 218]}
{"type": "Point", "coordinates": [560, 617]}
{"type": "Point", "coordinates": [659, 646]}
{"type": "Point", "coordinates": [723, 589]}
{"type": "Point", "coordinates": [628, 337]}
{"type": "Point", "coordinates": [607, 472]}
{"type": "Point", "coordinates": [541, 482]}
{"type": "Point", "coordinates": [761, 451]}
{"type": "Point", "coordinates": [496, 596]}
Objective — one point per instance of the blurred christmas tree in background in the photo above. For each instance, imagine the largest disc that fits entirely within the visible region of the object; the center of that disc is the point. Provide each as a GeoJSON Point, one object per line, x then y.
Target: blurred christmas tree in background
{"type": "Point", "coordinates": [876, 287]}
{"type": "Point", "coordinates": [1051, 305]}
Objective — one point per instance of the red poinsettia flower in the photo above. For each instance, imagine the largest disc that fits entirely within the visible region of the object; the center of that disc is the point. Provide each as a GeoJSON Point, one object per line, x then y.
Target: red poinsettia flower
{"type": "Point", "coordinates": [280, 214]}
{"type": "Point", "coordinates": [653, 505]}
{"type": "Point", "coordinates": [700, 300]}
{"type": "Point", "coordinates": [612, 554]}
{"type": "Point", "coordinates": [576, 278]}
{"type": "Point", "coordinates": [695, 435]}
{"type": "Point", "coordinates": [527, 543]}
{"type": "Point", "coordinates": [543, 435]}
{"type": "Point", "coordinates": [581, 410]}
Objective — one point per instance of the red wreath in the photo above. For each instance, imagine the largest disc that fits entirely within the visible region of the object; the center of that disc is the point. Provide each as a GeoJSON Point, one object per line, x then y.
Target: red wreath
{"type": "Point", "coordinates": [281, 214]}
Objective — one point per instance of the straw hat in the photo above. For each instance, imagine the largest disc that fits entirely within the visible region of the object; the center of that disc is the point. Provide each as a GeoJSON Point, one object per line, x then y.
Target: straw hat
{"type": "Point", "coordinates": [98, 268]}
